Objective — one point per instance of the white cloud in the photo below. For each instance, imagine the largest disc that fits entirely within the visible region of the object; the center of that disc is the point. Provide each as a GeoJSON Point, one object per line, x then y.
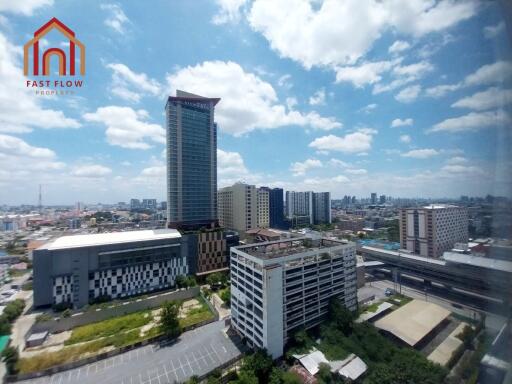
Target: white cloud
{"type": "Point", "coordinates": [421, 153]}
{"type": "Point", "coordinates": [490, 74]}
{"type": "Point", "coordinates": [314, 36]}
{"type": "Point", "coordinates": [492, 31]}
{"type": "Point", "coordinates": [91, 170]}
{"type": "Point", "coordinates": [408, 94]}
{"type": "Point", "coordinates": [127, 127]}
{"type": "Point", "coordinates": [23, 162]}
{"type": "Point", "coordinates": [366, 73]}
{"type": "Point", "coordinates": [117, 19]}
{"type": "Point", "coordinates": [21, 110]}
{"type": "Point", "coordinates": [299, 169]}
{"type": "Point", "coordinates": [24, 7]}
{"type": "Point", "coordinates": [130, 85]}
{"type": "Point", "coordinates": [494, 73]}
{"type": "Point", "coordinates": [457, 160]}
{"type": "Point", "coordinates": [230, 164]}
{"type": "Point", "coordinates": [338, 163]}
{"type": "Point", "coordinates": [318, 98]}
{"type": "Point", "coordinates": [441, 90]}
{"type": "Point", "coordinates": [491, 98]}
{"type": "Point", "coordinates": [398, 46]}
{"type": "Point", "coordinates": [462, 169]}
{"type": "Point", "coordinates": [402, 123]}
{"type": "Point", "coordinates": [360, 141]}
{"type": "Point", "coordinates": [229, 11]}
{"type": "Point", "coordinates": [155, 171]}
{"type": "Point", "coordinates": [471, 122]}
{"type": "Point", "coordinates": [360, 171]}
{"type": "Point", "coordinates": [285, 81]}
{"type": "Point", "coordinates": [326, 183]}
{"type": "Point", "coordinates": [414, 71]}
{"type": "Point", "coordinates": [405, 139]}
{"type": "Point", "coordinates": [368, 108]}
{"type": "Point", "coordinates": [247, 102]}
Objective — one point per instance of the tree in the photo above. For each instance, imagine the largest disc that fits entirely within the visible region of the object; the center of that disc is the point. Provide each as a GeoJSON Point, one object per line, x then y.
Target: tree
{"type": "Point", "coordinates": [181, 281]}
{"type": "Point", "coordinates": [246, 378]}
{"type": "Point", "coordinates": [225, 296]}
{"type": "Point", "coordinates": [5, 326]}
{"type": "Point", "coordinates": [340, 316]}
{"type": "Point", "coordinates": [193, 380]}
{"type": "Point", "coordinates": [258, 364]}
{"type": "Point", "coordinates": [291, 378]}
{"type": "Point", "coordinates": [217, 278]}
{"type": "Point", "coordinates": [169, 321]}
{"type": "Point", "coordinates": [10, 357]}
{"type": "Point", "coordinates": [324, 374]}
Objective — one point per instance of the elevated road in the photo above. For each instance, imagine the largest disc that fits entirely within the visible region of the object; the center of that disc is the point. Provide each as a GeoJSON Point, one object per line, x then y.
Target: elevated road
{"type": "Point", "coordinates": [472, 274]}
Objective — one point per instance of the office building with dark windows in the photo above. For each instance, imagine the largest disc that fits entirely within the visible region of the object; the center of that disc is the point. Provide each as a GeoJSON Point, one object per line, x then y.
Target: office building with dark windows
{"type": "Point", "coordinates": [79, 269]}
{"type": "Point", "coordinates": [191, 161]}
{"type": "Point", "coordinates": [279, 287]}
{"type": "Point", "coordinates": [276, 207]}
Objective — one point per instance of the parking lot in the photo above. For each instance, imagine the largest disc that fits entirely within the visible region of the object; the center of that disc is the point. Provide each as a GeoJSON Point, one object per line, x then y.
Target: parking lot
{"type": "Point", "coordinates": [195, 353]}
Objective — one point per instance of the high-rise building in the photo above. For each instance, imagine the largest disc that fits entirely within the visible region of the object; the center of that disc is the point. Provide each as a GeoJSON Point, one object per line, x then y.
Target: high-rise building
{"type": "Point", "coordinates": [322, 208]}
{"type": "Point", "coordinates": [299, 204]}
{"type": "Point", "coordinates": [238, 207]}
{"type": "Point", "coordinates": [191, 161]}
{"type": "Point", "coordinates": [382, 199]}
{"type": "Point", "coordinates": [373, 198]}
{"type": "Point", "coordinates": [134, 204]}
{"type": "Point", "coordinates": [434, 229]}
{"type": "Point", "coordinates": [149, 204]}
{"type": "Point", "coordinates": [276, 207]}
{"type": "Point", "coordinates": [308, 207]}
{"type": "Point", "coordinates": [282, 286]}
{"type": "Point", "coordinates": [263, 207]}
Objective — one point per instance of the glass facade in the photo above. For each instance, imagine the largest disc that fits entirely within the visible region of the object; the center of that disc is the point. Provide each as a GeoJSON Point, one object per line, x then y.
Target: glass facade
{"type": "Point", "coordinates": [192, 161]}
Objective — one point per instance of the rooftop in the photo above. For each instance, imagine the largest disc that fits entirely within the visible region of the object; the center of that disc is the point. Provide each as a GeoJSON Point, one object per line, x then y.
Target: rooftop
{"type": "Point", "coordinates": [412, 322]}
{"type": "Point", "coordinates": [477, 261]}
{"type": "Point", "coordinates": [287, 247]}
{"type": "Point", "coordinates": [91, 240]}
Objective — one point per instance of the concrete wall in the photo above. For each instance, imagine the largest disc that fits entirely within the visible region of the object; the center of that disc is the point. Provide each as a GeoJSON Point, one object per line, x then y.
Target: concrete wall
{"type": "Point", "coordinates": [68, 323]}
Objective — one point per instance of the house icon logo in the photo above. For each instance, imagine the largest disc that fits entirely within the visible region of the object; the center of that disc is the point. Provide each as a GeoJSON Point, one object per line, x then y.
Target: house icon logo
{"type": "Point", "coordinates": [67, 62]}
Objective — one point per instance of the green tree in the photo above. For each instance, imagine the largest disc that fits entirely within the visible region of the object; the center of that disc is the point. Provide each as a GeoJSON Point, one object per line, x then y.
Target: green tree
{"type": "Point", "coordinates": [10, 356]}
{"type": "Point", "coordinates": [340, 316]}
{"type": "Point", "coordinates": [275, 376]}
{"type": "Point", "coordinates": [246, 378]}
{"type": "Point", "coordinates": [169, 321]}
{"type": "Point", "coordinates": [5, 326]}
{"type": "Point", "coordinates": [258, 364]}
{"type": "Point", "coordinates": [291, 378]}
{"type": "Point", "coordinates": [181, 281]}
{"type": "Point", "coordinates": [324, 374]}
{"type": "Point", "coordinates": [217, 278]}
{"type": "Point", "coordinates": [225, 296]}
{"type": "Point", "coordinates": [193, 380]}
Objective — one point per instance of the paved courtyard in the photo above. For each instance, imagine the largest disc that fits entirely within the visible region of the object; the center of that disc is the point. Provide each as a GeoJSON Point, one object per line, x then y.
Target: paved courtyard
{"type": "Point", "coordinates": [195, 353]}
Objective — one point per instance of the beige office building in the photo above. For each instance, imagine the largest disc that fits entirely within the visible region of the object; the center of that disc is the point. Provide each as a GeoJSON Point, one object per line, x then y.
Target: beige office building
{"type": "Point", "coordinates": [434, 229]}
{"type": "Point", "coordinates": [263, 208]}
{"type": "Point", "coordinates": [238, 207]}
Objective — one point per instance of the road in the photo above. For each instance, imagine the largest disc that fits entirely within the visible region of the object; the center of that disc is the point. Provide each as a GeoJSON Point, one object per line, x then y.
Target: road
{"type": "Point", "coordinates": [195, 353]}
{"type": "Point", "coordinates": [493, 321]}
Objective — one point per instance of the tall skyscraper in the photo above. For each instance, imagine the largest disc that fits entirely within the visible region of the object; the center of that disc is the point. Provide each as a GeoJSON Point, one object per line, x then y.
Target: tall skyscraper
{"type": "Point", "coordinates": [434, 229]}
{"type": "Point", "coordinates": [322, 208]}
{"type": "Point", "coordinates": [191, 161]}
{"type": "Point", "coordinates": [374, 198]}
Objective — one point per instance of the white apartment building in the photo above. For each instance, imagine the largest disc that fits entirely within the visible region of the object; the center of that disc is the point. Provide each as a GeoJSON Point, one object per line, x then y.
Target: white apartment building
{"type": "Point", "coordinates": [281, 286]}
{"type": "Point", "coordinates": [263, 208]}
{"type": "Point", "coordinates": [434, 229]}
{"type": "Point", "coordinates": [237, 207]}
{"type": "Point", "coordinates": [299, 204]}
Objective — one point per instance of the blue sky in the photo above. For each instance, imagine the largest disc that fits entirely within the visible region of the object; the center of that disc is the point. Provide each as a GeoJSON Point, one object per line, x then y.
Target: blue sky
{"type": "Point", "coordinates": [406, 98]}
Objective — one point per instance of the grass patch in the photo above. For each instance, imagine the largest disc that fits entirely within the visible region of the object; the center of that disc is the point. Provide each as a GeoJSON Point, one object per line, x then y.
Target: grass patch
{"type": "Point", "coordinates": [371, 308]}
{"type": "Point", "coordinates": [399, 299]}
{"type": "Point", "coordinates": [197, 315]}
{"type": "Point", "coordinates": [109, 327]}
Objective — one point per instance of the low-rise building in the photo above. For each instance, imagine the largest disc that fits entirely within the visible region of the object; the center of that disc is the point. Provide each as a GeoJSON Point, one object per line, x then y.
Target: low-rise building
{"type": "Point", "coordinates": [79, 269]}
{"type": "Point", "coordinates": [278, 287]}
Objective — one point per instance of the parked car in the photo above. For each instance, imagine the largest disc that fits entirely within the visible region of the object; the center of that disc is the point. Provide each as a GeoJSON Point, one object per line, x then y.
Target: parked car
{"type": "Point", "coordinates": [389, 292]}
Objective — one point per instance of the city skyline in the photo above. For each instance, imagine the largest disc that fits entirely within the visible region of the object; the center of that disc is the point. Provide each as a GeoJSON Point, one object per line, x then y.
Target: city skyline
{"type": "Point", "coordinates": [386, 112]}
